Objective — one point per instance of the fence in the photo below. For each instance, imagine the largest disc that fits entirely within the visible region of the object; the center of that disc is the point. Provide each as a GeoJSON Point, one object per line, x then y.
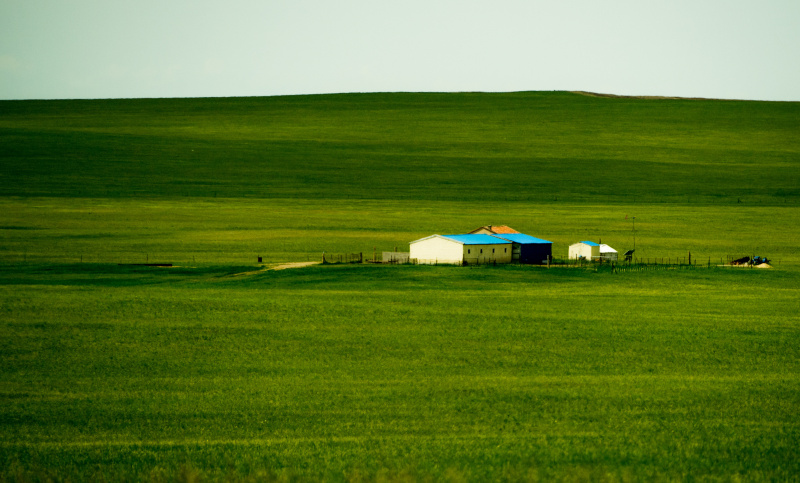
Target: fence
{"type": "Point", "coordinates": [190, 258]}
{"type": "Point", "coordinates": [395, 257]}
{"type": "Point", "coordinates": [653, 264]}
{"type": "Point", "coordinates": [329, 258]}
{"type": "Point", "coordinates": [648, 267]}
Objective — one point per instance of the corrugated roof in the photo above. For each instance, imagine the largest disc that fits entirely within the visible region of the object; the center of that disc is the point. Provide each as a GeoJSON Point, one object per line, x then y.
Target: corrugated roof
{"type": "Point", "coordinates": [591, 244]}
{"type": "Point", "coordinates": [476, 239]}
{"type": "Point", "coordinates": [606, 249]}
{"type": "Point", "coordinates": [504, 229]}
{"type": "Point", "coordinates": [496, 229]}
{"type": "Point", "coordinates": [522, 238]}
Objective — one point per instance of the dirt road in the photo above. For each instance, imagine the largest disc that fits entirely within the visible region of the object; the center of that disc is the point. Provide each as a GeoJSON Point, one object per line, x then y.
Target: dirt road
{"type": "Point", "coordinates": [284, 266]}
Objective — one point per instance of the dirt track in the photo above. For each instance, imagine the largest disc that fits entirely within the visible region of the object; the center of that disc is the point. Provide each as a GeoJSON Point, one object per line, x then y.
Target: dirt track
{"type": "Point", "coordinates": [284, 266]}
{"type": "Point", "coordinates": [597, 94]}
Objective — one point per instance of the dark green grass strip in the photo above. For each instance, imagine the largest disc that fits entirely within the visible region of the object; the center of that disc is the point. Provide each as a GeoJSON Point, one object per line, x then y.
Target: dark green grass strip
{"type": "Point", "coordinates": [470, 147]}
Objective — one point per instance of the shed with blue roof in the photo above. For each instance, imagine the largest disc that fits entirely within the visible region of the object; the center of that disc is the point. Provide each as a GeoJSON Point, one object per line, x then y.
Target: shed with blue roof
{"type": "Point", "coordinates": [460, 250]}
{"type": "Point", "coordinates": [585, 250]}
{"type": "Point", "coordinates": [527, 249]}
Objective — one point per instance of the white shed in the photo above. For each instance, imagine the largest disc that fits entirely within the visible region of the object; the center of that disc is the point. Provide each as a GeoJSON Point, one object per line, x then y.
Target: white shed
{"type": "Point", "coordinates": [460, 250]}
{"type": "Point", "coordinates": [586, 249]}
{"type": "Point", "coordinates": [607, 253]}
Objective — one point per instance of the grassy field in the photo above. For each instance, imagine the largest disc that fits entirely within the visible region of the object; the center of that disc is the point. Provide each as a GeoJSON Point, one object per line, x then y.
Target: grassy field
{"type": "Point", "coordinates": [213, 231]}
{"type": "Point", "coordinates": [539, 147]}
{"type": "Point", "coordinates": [449, 373]}
{"type": "Point", "coordinates": [215, 369]}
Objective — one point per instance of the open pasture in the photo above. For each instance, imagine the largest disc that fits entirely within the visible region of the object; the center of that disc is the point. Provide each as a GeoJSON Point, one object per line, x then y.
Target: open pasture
{"type": "Point", "coordinates": [530, 146]}
{"type": "Point", "coordinates": [443, 372]}
{"type": "Point", "coordinates": [217, 370]}
{"type": "Point", "coordinates": [237, 231]}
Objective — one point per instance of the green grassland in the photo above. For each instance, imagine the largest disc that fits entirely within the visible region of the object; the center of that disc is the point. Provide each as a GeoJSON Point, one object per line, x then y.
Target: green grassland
{"type": "Point", "coordinates": [214, 231]}
{"type": "Point", "coordinates": [216, 369]}
{"type": "Point", "coordinates": [465, 147]}
{"type": "Point", "coordinates": [336, 372]}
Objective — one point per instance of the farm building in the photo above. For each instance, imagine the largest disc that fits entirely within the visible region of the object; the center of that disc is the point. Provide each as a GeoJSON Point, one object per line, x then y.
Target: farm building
{"type": "Point", "coordinates": [607, 253]}
{"type": "Point", "coordinates": [528, 249]}
{"type": "Point", "coordinates": [587, 250]}
{"type": "Point", "coordinates": [493, 230]}
{"type": "Point", "coordinates": [468, 249]}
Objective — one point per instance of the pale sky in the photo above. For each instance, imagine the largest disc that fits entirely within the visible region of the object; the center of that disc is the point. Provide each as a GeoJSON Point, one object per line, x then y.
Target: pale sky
{"type": "Point", "coordinates": [730, 49]}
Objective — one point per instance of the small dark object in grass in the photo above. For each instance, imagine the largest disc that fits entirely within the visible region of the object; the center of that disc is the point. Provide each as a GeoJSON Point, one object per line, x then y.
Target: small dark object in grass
{"type": "Point", "coordinates": [741, 261]}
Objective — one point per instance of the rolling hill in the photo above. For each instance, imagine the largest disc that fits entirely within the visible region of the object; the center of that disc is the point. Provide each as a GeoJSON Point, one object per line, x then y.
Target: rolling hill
{"type": "Point", "coordinates": [527, 146]}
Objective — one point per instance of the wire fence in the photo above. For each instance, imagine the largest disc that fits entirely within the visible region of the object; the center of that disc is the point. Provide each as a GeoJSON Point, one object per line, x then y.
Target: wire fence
{"type": "Point", "coordinates": [656, 264]}
{"type": "Point", "coordinates": [330, 258]}
{"type": "Point", "coordinates": [146, 258]}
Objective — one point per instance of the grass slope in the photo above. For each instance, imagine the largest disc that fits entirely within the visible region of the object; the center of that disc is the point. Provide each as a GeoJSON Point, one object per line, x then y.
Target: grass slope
{"type": "Point", "coordinates": [470, 147]}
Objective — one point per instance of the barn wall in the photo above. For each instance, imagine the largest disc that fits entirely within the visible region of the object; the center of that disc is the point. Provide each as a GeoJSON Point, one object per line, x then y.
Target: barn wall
{"type": "Point", "coordinates": [580, 250]}
{"type": "Point", "coordinates": [436, 250]}
{"type": "Point", "coordinates": [473, 256]}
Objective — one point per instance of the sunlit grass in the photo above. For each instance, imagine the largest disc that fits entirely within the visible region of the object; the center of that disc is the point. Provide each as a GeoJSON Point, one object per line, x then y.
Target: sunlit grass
{"type": "Point", "coordinates": [328, 371]}
{"type": "Point", "coordinates": [191, 232]}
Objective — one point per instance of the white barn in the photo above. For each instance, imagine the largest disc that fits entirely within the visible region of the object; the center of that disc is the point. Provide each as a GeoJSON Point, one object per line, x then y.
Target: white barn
{"type": "Point", "coordinates": [460, 250]}
{"type": "Point", "coordinates": [586, 250]}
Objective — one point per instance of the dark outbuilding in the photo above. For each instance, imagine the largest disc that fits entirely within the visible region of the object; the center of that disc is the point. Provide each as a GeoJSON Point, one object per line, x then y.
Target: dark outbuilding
{"type": "Point", "coordinates": [528, 249]}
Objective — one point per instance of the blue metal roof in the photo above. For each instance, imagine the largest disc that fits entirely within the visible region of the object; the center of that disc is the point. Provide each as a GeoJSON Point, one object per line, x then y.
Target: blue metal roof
{"type": "Point", "coordinates": [476, 239]}
{"type": "Point", "coordinates": [521, 238]}
{"type": "Point", "coordinates": [591, 244]}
